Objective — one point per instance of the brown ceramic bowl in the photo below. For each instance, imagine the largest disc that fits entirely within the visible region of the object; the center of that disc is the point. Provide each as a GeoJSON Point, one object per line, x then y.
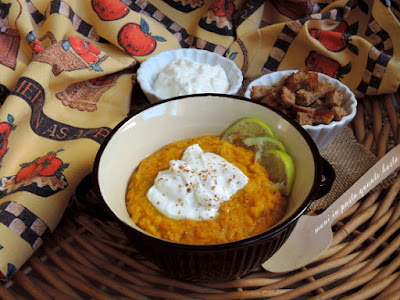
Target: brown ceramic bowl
{"type": "Point", "coordinates": [189, 116]}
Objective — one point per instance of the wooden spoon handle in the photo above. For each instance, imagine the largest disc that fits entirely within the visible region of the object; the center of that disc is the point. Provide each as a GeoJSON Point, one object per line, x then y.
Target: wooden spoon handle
{"type": "Point", "coordinates": [375, 175]}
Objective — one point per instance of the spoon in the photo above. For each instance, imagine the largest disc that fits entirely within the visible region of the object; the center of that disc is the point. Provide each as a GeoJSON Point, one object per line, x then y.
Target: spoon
{"type": "Point", "coordinates": [312, 235]}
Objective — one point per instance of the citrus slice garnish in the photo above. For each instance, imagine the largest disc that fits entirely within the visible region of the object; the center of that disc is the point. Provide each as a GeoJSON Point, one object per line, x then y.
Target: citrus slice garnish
{"type": "Point", "coordinates": [246, 127]}
{"type": "Point", "coordinates": [280, 167]}
{"type": "Point", "coordinates": [263, 143]}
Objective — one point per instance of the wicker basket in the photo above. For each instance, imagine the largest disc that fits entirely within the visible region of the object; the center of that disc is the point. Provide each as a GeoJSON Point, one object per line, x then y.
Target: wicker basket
{"type": "Point", "coordinates": [90, 258]}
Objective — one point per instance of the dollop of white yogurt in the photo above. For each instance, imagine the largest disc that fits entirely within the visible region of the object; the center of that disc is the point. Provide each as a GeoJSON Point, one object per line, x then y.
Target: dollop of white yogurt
{"type": "Point", "coordinates": [184, 76]}
{"type": "Point", "coordinates": [195, 186]}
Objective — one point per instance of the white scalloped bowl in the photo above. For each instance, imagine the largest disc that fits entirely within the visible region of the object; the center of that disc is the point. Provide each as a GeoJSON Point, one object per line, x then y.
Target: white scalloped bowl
{"type": "Point", "coordinates": [322, 134]}
{"type": "Point", "coordinates": [149, 69]}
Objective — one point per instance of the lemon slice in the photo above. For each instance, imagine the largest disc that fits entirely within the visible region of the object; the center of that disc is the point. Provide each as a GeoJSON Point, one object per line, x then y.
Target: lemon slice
{"type": "Point", "coordinates": [246, 127]}
{"type": "Point", "coordinates": [280, 167]}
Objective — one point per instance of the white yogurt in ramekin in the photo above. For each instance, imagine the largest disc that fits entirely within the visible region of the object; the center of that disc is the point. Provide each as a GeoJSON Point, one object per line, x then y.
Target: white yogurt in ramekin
{"type": "Point", "coordinates": [184, 76]}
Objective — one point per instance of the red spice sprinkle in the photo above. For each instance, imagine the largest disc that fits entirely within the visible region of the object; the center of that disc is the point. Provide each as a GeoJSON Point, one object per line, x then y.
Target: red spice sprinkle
{"type": "Point", "coordinates": [189, 190]}
{"type": "Point", "coordinates": [213, 187]}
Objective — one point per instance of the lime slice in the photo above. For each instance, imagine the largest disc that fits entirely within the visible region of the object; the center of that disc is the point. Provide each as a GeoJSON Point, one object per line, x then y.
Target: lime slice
{"type": "Point", "coordinates": [246, 127]}
{"type": "Point", "coordinates": [263, 143]}
{"type": "Point", "coordinates": [280, 167]}
{"type": "Point", "coordinates": [259, 144]}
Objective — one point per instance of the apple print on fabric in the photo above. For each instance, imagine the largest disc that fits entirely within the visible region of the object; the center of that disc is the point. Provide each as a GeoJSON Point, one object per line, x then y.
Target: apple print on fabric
{"type": "Point", "coordinates": [110, 10]}
{"type": "Point", "coordinates": [34, 42]}
{"type": "Point", "coordinates": [219, 17]}
{"type": "Point", "coordinates": [137, 40]}
{"type": "Point", "coordinates": [87, 51]}
{"type": "Point", "coordinates": [319, 63]}
{"type": "Point", "coordinates": [5, 130]}
{"type": "Point", "coordinates": [42, 176]}
{"type": "Point", "coordinates": [338, 39]}
{"type": "Point", "coordinates": [296, 10]}
{"type": "Point", "coordinates": [71, 54]}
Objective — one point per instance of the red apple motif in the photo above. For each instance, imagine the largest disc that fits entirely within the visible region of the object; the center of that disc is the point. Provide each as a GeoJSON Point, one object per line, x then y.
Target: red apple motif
{"type": "Point", "coordinates": [27, 171]}
{"type": "Point", "coordinates": [79, 45]}
{"type": "Point", "coordinates": [331, 40]}
{"type": "Point", "coordinates": [223, 8]}
{"type": "Point", "coordinates": [110, 10]}
{"type": "Point", "coordinates": [34, 42]}
{"type": "Point", "coordinates": [342, 27]}
{"type": "Point", "coordinates": [90, 58]}
{"type": "Point", "coordinates": [87, 51]}
{"type": "Point", "coordinates": [94, 49]}
{"type": "Point", "coordinates": [48, 165]}
{"type": "Point", "coordinates": [5, 131]}
{"type": "Point", "coordinates": [137, 40]}
{"type": "Point", "coordinates": [319, 63]}
{"type": "Point", "coordinates": [3, 148]}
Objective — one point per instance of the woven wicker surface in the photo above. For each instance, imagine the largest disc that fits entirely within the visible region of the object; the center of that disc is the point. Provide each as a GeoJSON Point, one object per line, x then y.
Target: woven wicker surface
{"type": "Point", "coordinates": [89, 258]}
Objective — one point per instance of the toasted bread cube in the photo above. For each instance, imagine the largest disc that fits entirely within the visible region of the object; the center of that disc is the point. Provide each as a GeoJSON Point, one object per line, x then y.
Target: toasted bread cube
{"type": "Point", "coordinates": [286, 97]}
{"type": "Point", "coordinates": [339, 113]}
{"type": "Point", "coordinates": [271, 99]}
{"type": "Point", "coordinates": [312, 81]}
{"type": "Point", "coordinates": [259, 91]}
{"type": "Point", "coordinates": [306, 109]}
{"type": "Point", "coordinates": [318, 104]}
{"type": "Point", "coordinates": [302, 79]}
{"type": "Point", "coordinates": [334, 98]}
{"type": "Point", "coordinates": [304, 118]}
{"type": "Point", "coordinates": [323, 88]}
{"type": "Point", "coordinates": [294, 81]}
{"type": "Point", "coordinates": [305, 98]}
{"type": "Point", "coordinates": [323, 117]}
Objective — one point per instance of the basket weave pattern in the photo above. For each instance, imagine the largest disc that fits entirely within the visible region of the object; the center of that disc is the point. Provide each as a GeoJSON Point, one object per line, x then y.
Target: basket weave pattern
{"type": "Point", "coordinates": [89, 258]}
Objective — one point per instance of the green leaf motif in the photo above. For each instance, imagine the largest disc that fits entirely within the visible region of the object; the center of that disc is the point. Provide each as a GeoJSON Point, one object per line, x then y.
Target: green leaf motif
{"type": "Point", "coordinates": [10, 118]}
{"type": "Point", "coordinates": [233, 55]}
{"type": "Point", "coordinates": [345, 69]}
{"type": "Point", "coordinates": [144, 26]}
{"type": "Point", "coordinates": [353, 48]}
{"type": "Point", "coordinates": [30, 37]}
{"type": "Point", "coordinates": [352, 29]}
{"type": "Point", "coordinates": [159, 38]}
{"type": "Point", "coordinates": [11, 271]}
{"type": "Point", "coordinates": [97, 68]}
{"type": "Point", "coordinates": [363, 6]}
{"type": "Point", "coordinates": [66, 45]}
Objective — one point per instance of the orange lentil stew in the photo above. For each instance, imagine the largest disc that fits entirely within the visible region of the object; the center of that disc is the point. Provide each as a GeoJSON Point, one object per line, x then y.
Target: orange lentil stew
{"type": "Point", "coordinates": [251, 211]}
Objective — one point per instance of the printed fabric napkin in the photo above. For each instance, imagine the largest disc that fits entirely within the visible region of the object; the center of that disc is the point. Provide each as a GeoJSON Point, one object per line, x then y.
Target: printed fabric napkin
{"type": "Point", "coordinates": [67, 72]}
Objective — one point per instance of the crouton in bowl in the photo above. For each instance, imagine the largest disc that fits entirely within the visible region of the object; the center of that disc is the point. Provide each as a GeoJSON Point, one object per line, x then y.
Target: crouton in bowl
{"type": "Point", "coordinates": [321, 104]}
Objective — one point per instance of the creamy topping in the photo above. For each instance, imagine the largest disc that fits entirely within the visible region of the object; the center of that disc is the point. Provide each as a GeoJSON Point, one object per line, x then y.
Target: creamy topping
{"type": "Point", "coordinates": [195, 186]}
{"type": "Point", "coordinates": [184, 76]}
